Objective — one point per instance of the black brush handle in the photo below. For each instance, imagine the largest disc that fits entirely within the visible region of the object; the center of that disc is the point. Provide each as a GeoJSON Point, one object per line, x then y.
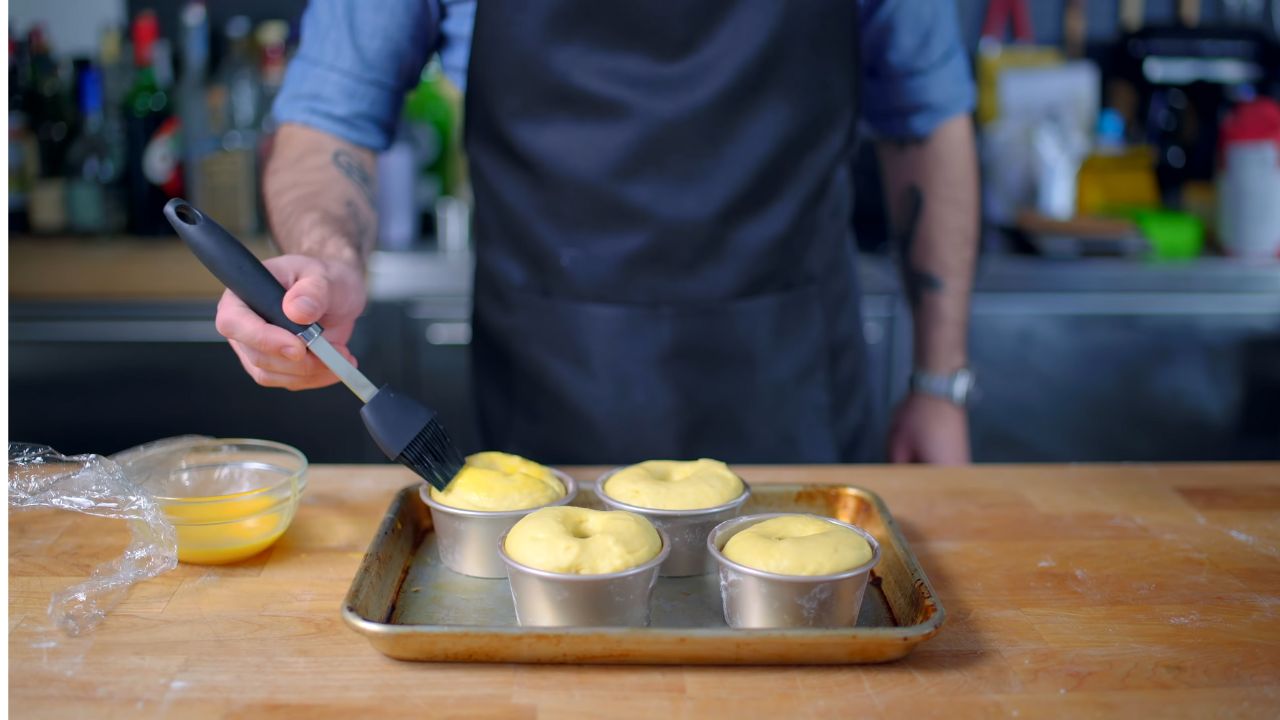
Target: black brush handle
{"type": "Point", "coordinates": [231, 262]}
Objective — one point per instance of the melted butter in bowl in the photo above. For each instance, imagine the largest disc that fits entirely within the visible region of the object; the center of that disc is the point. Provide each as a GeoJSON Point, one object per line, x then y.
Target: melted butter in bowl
{"type": "Point", "coordinates": [220, 530]}
{"type": "Point", "coordinates": [227, 499]}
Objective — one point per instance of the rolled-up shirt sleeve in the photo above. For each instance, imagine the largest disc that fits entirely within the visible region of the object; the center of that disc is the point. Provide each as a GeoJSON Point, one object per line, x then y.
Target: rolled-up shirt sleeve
{"type": "Point", "coordinates": [455, 41]}
{"type": "Point", "coordinates": [915, 68]}
{"type": "Point", "coordinates": [355, 62]}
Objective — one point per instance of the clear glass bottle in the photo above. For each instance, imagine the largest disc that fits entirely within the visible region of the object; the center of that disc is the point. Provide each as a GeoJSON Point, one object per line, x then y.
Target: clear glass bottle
{"type": "Point", "coordinates": [273, 38]}
{"type": "Point", "coordinates": [24, 153]}
{"type": "Point", "coordinates": [49, 105]}
{"type": "Point", "coordinates": [238, 75]}
{"type": "Point", "coordinates": [95, 165]}
{"type": "Point", "coordinates": [229, 176]}
{"type": "Point", "coordinates": [193, 108]}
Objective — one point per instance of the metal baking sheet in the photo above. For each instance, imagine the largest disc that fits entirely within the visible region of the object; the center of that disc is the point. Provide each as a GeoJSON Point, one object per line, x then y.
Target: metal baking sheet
{"type": "Point", "coordinates": [411, 607]}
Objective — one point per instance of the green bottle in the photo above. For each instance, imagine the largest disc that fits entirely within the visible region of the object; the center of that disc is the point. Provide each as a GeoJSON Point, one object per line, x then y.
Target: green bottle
{"type": "Point", "coordinates": [433, 109]}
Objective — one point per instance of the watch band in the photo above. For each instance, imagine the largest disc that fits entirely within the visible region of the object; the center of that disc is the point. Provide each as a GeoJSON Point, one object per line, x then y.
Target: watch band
{"type": "Point", "coordinates": [956, 387]}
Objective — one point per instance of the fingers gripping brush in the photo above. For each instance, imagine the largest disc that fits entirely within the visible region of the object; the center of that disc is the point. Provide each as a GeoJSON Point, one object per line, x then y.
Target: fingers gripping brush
{"type": "Point", "coordinates": [407, 431]}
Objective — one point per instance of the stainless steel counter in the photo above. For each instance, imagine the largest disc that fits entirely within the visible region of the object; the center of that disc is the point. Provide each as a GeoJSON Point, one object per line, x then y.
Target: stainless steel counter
{"type": "Point", "coordinates": [1077, 360]}
{"type": "Point", "coordinates": [1206, 275]}
{"type": "Point", "coordinates": [404, 276]}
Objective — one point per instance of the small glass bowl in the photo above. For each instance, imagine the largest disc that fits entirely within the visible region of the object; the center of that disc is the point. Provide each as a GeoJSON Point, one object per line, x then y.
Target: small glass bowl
{"type": "Point", "coordinates": [228, 499]}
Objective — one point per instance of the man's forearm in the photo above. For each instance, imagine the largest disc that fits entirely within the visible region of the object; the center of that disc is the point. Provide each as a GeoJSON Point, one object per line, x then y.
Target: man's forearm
{"type": "Point", "coordinates": [320, 196]}
{"type": "Point", "coordinates": [931, 186]}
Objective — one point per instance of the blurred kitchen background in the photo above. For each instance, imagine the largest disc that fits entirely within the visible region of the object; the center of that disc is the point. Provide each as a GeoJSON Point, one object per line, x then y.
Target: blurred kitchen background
{"type": "Point", "coordinates": [1127, 303]}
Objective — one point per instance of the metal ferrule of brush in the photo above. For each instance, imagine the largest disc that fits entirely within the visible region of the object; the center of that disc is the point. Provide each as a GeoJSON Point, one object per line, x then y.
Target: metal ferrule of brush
{"type": "Point", "coordinates": [310, 334]}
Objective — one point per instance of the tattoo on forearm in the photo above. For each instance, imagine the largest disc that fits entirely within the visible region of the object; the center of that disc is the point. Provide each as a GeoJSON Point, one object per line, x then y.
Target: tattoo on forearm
{"type": "Point", "coordinates": [348, 164]}
{"type": "Point", "coordinates": [915, 280]}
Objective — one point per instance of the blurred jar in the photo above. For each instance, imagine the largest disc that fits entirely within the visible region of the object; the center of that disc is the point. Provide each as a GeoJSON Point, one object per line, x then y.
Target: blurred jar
{"type": "Point", "coordinates": [1249, 181]}
{"type": "Point", "coordinates": [1116, 177]}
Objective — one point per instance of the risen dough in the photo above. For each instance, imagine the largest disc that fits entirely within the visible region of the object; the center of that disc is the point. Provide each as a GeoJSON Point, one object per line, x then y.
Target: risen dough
{"type": "Point", "coordinates": [674, 485]}
{"type": "Point", "coordinates": [798, 545]}
{"type": "Point", "coordinates": [495, 481]}
{"type": "Point", "coordinates": [580, 541]}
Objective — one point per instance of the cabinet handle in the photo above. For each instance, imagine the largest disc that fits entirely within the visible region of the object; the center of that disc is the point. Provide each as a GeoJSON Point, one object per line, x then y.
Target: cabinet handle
{"type": "Point", "coordinates": [449, 333]}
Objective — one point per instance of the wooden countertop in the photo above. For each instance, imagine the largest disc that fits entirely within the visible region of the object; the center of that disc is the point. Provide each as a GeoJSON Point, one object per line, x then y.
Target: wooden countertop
{"type": "Point", "coordinates": [111, 268]}
{"type": "Point", "coordinates": [128, 267]}
{"type": "Point", "coordinates": [1128, 591]}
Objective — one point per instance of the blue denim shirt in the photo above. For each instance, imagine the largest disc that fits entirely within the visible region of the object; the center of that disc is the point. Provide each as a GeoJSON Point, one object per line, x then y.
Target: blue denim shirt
{"type": "Point", "coordinates": [353, 67]}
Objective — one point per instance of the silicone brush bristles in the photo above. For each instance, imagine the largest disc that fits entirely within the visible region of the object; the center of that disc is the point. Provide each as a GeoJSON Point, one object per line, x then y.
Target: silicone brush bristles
{"type": "Point", "coordinates": [432, 455]}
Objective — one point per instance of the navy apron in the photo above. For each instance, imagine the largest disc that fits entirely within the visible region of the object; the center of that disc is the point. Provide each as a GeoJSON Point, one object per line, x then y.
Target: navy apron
{"type": "Point", "coordinates": [662, 202]}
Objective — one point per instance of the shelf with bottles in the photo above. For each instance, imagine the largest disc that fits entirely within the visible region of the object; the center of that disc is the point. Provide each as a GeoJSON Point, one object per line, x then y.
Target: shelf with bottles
{"type": "Point", "coordinates": [99, 144]}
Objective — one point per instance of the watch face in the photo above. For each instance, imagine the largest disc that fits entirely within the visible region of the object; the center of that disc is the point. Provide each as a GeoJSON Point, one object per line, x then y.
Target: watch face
{"type": "Point", "coordinates": [956, 387]}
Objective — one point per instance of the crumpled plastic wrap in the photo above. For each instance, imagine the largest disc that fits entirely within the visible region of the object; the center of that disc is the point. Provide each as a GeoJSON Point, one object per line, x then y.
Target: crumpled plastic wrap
{"type": "Point", "coordinates": [39, 476]}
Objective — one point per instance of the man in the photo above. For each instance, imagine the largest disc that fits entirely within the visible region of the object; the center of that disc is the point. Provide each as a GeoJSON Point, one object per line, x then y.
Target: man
{"type": "Point", "coordinates": [662, 201]}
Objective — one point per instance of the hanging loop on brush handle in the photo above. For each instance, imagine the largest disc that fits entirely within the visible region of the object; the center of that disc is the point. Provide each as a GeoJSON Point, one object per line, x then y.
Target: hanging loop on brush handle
{"type": "Point", "coordinates": [231, 262]}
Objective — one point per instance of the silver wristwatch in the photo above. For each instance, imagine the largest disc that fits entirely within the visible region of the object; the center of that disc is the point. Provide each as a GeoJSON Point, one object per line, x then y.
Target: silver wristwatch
{"type": "Point", "coordinates": [956, 387]}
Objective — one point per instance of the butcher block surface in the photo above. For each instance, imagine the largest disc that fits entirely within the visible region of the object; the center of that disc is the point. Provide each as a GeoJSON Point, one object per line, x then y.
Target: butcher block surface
{"type": "Point", "coordinates": [1126, 590]}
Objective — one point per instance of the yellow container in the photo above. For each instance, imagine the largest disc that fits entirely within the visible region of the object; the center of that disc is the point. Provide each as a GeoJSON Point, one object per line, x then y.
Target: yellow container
{"type": "Point", "coordinates": [1108, 183]}
{"type": "Point", "coordinates": [228, 499]}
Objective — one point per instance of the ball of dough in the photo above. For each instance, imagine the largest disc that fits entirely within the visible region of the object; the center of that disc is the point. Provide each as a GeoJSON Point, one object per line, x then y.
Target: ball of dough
{"type": "Point", "coordinates": [495, 482]}
{"type": "Point", "coordinates": [798, 545]}
{"type": "Point", "coordinates": [674, 485]}
{"type": "Point", "coordinates": [580, 541]}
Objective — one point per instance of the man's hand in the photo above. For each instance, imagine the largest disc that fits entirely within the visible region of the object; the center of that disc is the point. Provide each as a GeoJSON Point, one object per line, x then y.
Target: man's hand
{"type": "Point", "coordinates": [329, 292]}
{"type": "Point", "coordinates": [930, 430]}
{"type": "Point", "coordinates": [319, 192]}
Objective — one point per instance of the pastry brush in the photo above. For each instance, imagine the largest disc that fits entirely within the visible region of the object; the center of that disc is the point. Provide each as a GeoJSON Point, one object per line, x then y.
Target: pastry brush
{"type": "Point", "coordinates": [407, 431]}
